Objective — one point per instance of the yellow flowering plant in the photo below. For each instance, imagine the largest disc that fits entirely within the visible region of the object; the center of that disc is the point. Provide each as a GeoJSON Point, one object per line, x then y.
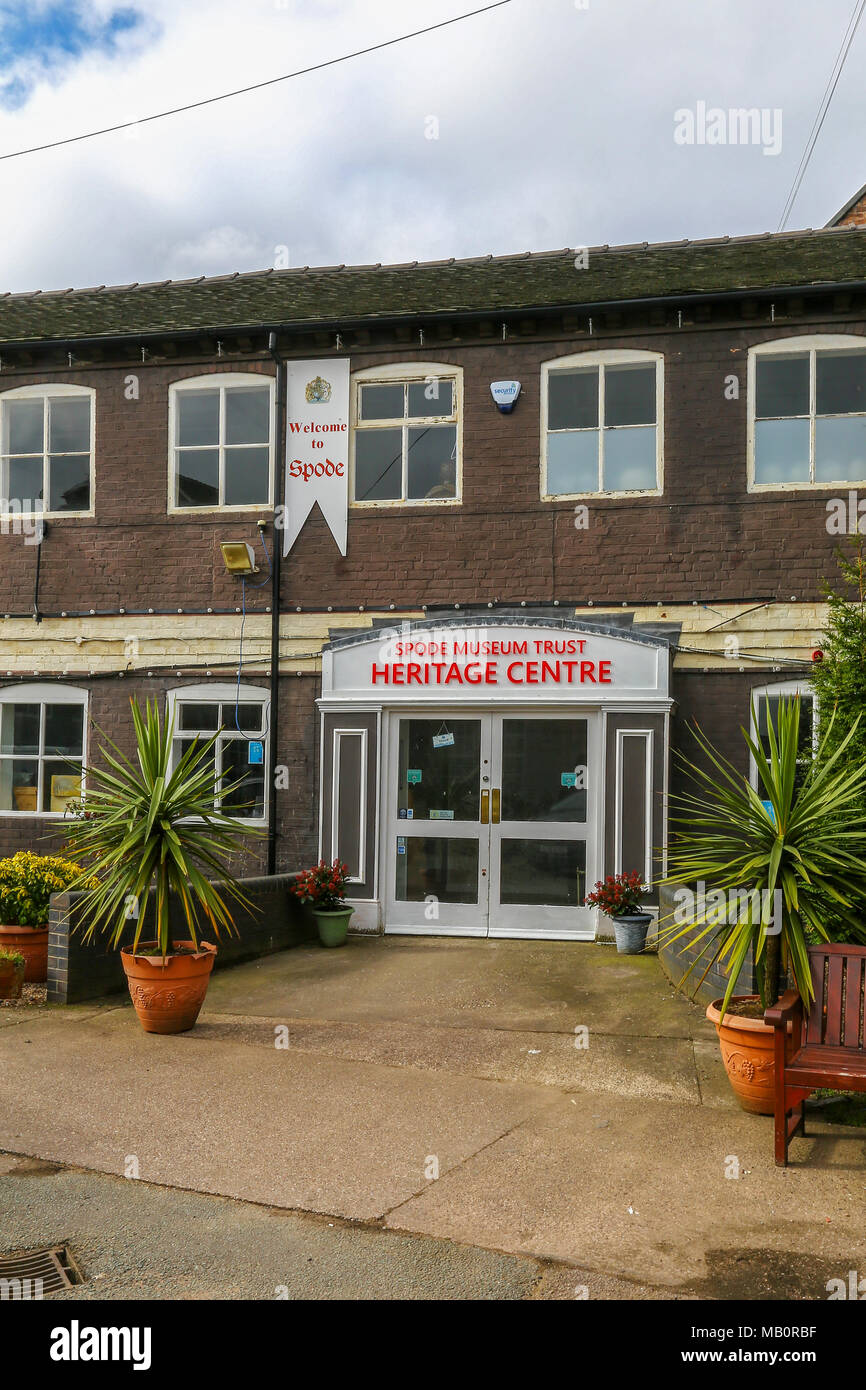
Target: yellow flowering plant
{"type": "Point", "coordinates": [26, 883]}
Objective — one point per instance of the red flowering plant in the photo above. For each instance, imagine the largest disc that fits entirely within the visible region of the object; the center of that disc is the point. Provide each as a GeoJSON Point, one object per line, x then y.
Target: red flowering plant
{"type": "Point", "coordinates": [323, 886]}
{"type": "Point", "coordinates": [618, 895]}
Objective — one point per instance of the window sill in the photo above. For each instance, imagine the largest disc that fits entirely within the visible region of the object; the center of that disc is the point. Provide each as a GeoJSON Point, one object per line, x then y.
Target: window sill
{"type": "Point", "coordinates": [254, 507]}
{"type": "Point", "coordinates": [47, 516]}
{"type": "Point", "coordinates": [806, 487]}
{"type": "Point", "coordinates": [600, 496]}
{"type": "Point", "coordinates": [421, 503]}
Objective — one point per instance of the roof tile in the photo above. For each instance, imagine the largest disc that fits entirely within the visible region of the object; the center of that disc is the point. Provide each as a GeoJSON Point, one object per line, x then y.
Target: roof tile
{"type": "Point", "coordinates": [477, 285]}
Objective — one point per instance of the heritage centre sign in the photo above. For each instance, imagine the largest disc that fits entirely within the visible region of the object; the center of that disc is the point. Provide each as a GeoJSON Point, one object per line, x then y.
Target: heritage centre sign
{"type": "Point", "coordinates": [493, 662]}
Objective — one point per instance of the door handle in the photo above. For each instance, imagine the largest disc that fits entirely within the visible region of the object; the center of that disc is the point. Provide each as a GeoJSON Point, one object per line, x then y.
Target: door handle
{"type": "Point", "coordinates": [496, 805]}
{"type": "Point", "coordinates": [485, 808]}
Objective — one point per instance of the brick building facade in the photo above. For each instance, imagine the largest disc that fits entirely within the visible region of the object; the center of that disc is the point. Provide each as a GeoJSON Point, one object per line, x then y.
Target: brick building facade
{"type": "Point", "coordinates": [717, 387]}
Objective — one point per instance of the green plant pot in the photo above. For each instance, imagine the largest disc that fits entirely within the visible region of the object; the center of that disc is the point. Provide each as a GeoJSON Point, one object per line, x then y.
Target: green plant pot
{"type": "Point", "coordinates": [333, 927]}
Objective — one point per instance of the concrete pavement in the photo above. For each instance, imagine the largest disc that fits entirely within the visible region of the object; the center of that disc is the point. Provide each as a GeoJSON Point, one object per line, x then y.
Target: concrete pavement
{"type": "Point", "coordinates": [432, 1091]}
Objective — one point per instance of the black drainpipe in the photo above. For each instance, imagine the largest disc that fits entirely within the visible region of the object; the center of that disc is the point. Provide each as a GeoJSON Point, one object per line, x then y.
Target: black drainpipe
{"type": "Point", "coordinates": [42, 528]}
{"type": "Point", "coordinates": [273, 728]}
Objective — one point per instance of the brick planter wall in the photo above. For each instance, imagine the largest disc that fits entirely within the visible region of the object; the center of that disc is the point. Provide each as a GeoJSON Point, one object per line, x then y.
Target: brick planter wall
{"type": "Point", "coordinates": [675, 959]}
{"type": "Point", "coordinates": [78, 970]}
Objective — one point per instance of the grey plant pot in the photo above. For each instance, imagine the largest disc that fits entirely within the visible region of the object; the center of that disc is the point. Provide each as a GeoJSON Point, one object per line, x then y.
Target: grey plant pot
{"type": "Point", "coordinates": [630, 931]}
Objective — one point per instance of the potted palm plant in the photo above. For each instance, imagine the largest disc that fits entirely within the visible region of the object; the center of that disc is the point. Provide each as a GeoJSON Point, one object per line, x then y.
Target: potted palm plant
{"type": "Point", "coordinates": [12, 965]}
{"type": "Point", "coordinates": [151, 827]}
{"type": "Point", "coordinates": [618, 896]}
{"type": "Point", "coordinates": [324, 888]}
{"type": "Point", "coordinates": [786, 869]}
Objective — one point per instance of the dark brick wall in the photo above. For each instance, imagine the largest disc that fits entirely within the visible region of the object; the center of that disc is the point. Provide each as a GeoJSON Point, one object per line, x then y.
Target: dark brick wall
{"type": "Point", "coordinates": [78, 970]}
{"type": "Point", "coordinates": [297, 804]}
{"type": "Point", "coordinates": [706, 538]}
{"type": "Point", "coordinates": [718, 702]}
{"type": "Point", "coordinates": [687, 962]}
{"type": "Point", "coordinates": [132, 554]}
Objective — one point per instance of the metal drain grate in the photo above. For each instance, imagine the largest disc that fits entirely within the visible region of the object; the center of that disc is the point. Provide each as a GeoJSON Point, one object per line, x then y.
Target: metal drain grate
{"type": "Point", "coordinates": [29, 1274]}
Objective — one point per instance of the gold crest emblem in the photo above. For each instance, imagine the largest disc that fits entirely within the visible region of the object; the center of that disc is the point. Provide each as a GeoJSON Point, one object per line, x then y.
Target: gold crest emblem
{"type": "Point", "coordinates": [318, 391]}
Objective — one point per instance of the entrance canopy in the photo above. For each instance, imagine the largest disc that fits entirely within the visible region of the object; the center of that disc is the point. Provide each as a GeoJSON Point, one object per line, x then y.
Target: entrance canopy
{"type": "Point", "coordinates": [477, 775]}
{"type": "Point", "coordinates": [495, 661]}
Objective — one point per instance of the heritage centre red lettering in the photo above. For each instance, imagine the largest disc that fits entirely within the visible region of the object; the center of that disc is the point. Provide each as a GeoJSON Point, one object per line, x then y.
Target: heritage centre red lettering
{"type": "Point", "coordinates": [487, 673]}
{"type": "Point", "coordinates": [567, 647]}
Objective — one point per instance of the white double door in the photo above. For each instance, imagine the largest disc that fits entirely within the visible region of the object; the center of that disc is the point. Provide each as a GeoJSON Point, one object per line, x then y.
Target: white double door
{"type": "Point", "coordinates": [490, 825]}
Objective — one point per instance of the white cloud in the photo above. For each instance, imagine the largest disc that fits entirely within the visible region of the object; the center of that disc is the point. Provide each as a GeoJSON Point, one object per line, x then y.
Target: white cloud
{"type": "Point", "coordinates": [555, 128]}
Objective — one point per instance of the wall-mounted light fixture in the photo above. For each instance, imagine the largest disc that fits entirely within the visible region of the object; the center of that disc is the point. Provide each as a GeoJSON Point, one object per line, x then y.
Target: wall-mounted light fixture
{"type": "Point", "coordinates": [239, 558]}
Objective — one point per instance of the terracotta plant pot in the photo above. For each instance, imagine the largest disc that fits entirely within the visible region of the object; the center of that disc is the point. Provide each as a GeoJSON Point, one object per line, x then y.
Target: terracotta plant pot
{"type": "Point", "coordinates": [168, 991]}
{"type": "Point", "coordinates": [11, 979]}
{"type": "Point", "coordinates": [333, 926]}
{"type": "Point", "coordinates": [32, 942]}
{"type": "Point", "coordinates": [747, 1052]}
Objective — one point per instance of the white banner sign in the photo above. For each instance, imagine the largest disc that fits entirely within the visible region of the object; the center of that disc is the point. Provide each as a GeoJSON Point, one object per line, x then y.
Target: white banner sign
{"type": "Point", "coordinates": [317, 446]}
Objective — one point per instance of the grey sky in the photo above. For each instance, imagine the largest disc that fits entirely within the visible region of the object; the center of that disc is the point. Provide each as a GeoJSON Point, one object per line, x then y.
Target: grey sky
{"type": "Point", "coordinates": [555, 128]}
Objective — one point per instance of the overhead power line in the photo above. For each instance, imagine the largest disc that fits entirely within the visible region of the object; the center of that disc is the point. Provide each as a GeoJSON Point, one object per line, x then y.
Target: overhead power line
{"type": "Point", "coordinates": [829, 91]}
{"type": "Point", "coordinates": [257, 86]}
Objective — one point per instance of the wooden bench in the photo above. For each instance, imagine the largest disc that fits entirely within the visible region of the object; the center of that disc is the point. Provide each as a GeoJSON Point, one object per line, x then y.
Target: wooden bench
{"type": "Point", "coordinates": [831, 1055]}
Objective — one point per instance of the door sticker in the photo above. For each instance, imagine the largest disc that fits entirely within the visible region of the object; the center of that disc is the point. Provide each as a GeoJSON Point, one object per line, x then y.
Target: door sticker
{"type": "Point", "coordinates": [574, 779]}
{"type": "Point", "coordinates": [413, 776]}
{"type": "Point", "coordinates": [401, 845]}
{"type": "Point", "coordinates": [441, 815]}
{"type": "Point", "coordinates": [406, 813]}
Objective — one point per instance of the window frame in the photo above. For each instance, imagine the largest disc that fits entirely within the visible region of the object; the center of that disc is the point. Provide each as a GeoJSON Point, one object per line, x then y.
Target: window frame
{"type": "Point", "coordinates": [607, 357]}
{"type": "Point", "coordinates": [221, 381]}
{"type": "Point", "coordinates": [47, 391]}
{"type": "Point", "coordinates": [222, 693]}
{"type": "Point", "coordinates": [812, 343]}
{"type": "Point", "coordinates": [412, 373]}
{"type": "Point", "coordinates": [804, 689]}
{"type": "Point", "coordinates": [44, 693]}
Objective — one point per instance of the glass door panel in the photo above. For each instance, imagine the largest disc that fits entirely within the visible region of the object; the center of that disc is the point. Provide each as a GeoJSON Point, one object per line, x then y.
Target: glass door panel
{"type": "Point", "coordinates": [438, 769]}
{"type": "Point", "coordinates": [544, 769]}
{"type": "Point", "coordinates": [438, 838]}
{"type": "Point", "coordinates": [446, 870]}
{"type": "Point", "coordinates": [545, 873]}
{"type": "Point", "coordinates": [542, 832]}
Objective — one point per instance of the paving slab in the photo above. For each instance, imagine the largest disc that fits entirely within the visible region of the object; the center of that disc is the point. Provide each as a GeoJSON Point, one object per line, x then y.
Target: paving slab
{"type": "Point", "coordinates": [134, 1241]}
{"type": "Point", "coordinates": [405, 1058]}
{"type": "Point", "coordinates": [639, 1189]}
{"type": "Point", "coordinates": [532, 986]}
{"type": "Point", "coordinates": [621, 1065]}
{"type": "Point", "coordinates": [286, 1128]}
